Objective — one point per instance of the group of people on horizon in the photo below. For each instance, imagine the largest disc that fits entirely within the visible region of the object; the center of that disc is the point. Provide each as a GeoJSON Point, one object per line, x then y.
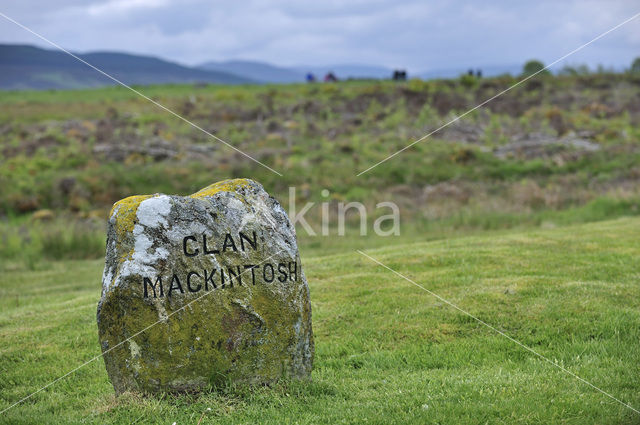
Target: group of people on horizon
{"type": "Point", "coordinates": [398, 75]}
{"type": "Point", "coordinates": [330, 77]}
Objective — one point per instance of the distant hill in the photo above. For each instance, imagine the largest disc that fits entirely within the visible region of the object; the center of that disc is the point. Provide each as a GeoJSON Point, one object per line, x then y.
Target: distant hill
{"type": "Point", "coordinates": [29, 67]}
{"type": "Point", "coordinates": [257, 71]}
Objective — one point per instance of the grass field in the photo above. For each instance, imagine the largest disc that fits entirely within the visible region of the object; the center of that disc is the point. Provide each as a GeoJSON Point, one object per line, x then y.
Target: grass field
{"type": "Point", "coordinates": [563, 149]}
{"type": "Point", "coordinates": [386, 351]}
{"type": "Point", "coordinates": [523, 213]}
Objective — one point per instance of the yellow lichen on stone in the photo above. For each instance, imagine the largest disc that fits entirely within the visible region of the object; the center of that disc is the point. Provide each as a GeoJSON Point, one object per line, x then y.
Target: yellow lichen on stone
{"type": "Point", "coordinates": [126, 210]}
{"type": "Point", "coordinates": [224, 186]}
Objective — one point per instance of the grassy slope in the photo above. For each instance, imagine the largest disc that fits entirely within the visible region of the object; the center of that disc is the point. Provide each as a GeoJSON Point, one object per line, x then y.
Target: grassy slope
{"type": "Point", "coordinates": [386, 352]}
{"type": "Point", "coordinates": [320, 136]}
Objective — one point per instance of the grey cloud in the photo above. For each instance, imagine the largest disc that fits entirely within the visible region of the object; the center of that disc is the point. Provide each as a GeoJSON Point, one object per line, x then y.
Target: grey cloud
{"type": "Point", "coordinates": [416, 34]}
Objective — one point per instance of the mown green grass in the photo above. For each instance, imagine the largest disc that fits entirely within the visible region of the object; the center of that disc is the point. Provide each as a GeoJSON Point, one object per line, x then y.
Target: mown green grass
{"type": "Point", "coordinates": [25, 243]}
{"type": "Point", "coordinates": [386, 351]}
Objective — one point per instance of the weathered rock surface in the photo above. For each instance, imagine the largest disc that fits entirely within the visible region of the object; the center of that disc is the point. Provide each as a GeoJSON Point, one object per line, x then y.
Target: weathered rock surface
{"type": "Point", "coordinates": [215, 284]}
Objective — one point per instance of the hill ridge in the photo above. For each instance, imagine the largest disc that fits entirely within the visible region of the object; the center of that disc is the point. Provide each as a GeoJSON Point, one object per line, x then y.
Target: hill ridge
{"type": "Point", "coordinates": [30, 67]}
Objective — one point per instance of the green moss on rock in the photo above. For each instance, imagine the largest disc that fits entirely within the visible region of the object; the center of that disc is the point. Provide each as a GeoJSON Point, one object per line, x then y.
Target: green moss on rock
{"type": "Point", "coordinates": [256, 331]}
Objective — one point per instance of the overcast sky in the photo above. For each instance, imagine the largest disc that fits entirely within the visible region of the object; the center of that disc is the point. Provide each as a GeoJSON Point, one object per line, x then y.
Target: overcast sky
{"type": "Point", "coordinates": [418, 35]}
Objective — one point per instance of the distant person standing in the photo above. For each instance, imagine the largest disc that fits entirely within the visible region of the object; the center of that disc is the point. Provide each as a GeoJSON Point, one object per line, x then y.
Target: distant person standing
{"type": "Point", "coordinates": [399, 75]}
{"type": "Point", "coordinates": [330, 77]}
{"type": "Point", "coordinates": [311, 78]}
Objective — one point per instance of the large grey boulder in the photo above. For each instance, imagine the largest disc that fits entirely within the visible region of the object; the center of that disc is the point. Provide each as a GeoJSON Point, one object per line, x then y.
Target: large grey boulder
{"type": "Point", "coordinates": [203, 289]}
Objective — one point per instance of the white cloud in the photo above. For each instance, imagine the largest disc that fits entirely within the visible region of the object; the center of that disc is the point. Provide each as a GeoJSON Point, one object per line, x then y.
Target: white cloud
{"type": "Point", "coordinates": [122, 6]}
